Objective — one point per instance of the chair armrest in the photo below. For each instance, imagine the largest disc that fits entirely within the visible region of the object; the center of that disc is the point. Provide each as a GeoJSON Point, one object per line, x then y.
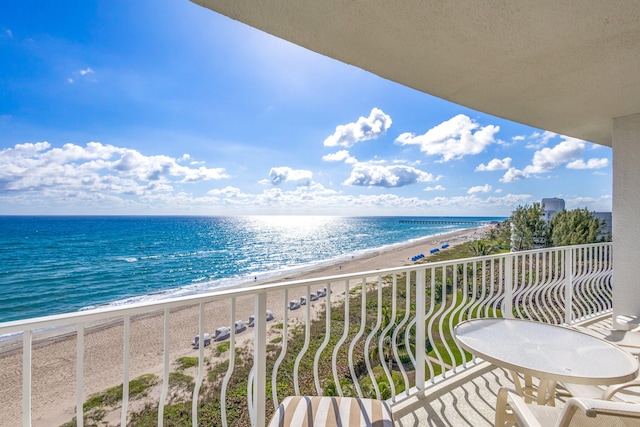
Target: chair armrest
{"type": "Point", "coordinates": [625, 319]}
{"type": "Point", "coordinates": [594, 407]}
{"type": "Point", "coordinates": [613, 389]}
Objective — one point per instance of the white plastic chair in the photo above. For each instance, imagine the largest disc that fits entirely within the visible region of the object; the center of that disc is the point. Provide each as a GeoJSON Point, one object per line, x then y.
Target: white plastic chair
{"type": "Point", "coordinates": [511, 410]}
{"type": "Point", "coordinates": [327, 411]}
{"type": "Point", "coordinates": [628, 340]}
{"type": "Point", "coordinates": [626, 392]}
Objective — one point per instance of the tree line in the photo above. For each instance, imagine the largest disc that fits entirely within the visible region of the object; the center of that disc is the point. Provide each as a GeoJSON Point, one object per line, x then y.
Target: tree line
{"type": "Point", "coordinates": [529, 229]}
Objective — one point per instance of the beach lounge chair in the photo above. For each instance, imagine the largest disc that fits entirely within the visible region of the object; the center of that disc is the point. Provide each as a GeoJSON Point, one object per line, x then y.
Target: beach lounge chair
{"type": "Point", "coordinates": [196, 341]}
{"type": "Point", "coordinates": [303, 300]}
{"type": "Point", "coordinates": [240, 326]}
{"type": "Point", "coordinates": [319, 411]}
{"type": "Point", "coordinates": [512, 410]}
{"type": "Point", "coordinates": [294, 304]}
{"type": "Point", "coordinates": [221, 334]}
{"type": "Point", "coordinates": [252, 318]}
{"type": "Point", "coordinates": [313, 296]}
{"type": "Point", "coordinates": [321, 293]}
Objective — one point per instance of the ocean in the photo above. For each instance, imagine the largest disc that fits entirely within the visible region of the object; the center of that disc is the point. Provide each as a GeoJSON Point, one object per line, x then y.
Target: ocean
{"type": "Point", "coordinates": [59, 264]}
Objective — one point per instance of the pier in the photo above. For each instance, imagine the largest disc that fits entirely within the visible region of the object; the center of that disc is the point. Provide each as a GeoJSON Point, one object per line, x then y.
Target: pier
{"type": "Point", "coordinates": [444, 221]}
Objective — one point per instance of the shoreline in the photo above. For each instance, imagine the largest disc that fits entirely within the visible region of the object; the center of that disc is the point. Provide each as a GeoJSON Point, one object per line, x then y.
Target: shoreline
{"type": "Point", "coordinates": [43, 337]}
{"type": "Point", "coordinates": [54, 356]}
{"type": "Point", "coordinates": [241, 281]}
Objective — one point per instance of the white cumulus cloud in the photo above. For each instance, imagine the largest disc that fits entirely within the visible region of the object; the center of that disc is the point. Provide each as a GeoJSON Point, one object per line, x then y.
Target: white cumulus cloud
{"type": "Point", "coordinates": [479, 189]}
{"type": "Point", "coordinates": [495, 165]}
{"type": "Point", "coordinates": [453, 139]}
{"type": "Point", "coordinates": [436, 188]}
{"type": "Point", "coordinates": [376, 175]}
{"type": "Point", "coordinates": [340, 156]}
{"type": "Point", "coordinates": [590, 164]}
{"type": "Point", "coordinates": [366, 128]}
{"type": "Point", "coordinates": [512, 175]}
{"type": "Point", "coordinates": [228, 191]}
{"type": "Point", "coordinates": [538, 140]}
{"type": "Point", "coordinates": [279, 175]}
{"type": "Point", "coordinates": [568, 152]}
{"type": "Point", "coordinates": [93, 167]}
{"type": "Point", "coordinates": [548, 159]}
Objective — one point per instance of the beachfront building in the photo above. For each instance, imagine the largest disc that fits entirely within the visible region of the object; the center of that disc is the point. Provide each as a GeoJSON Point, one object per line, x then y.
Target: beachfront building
{"type": "Point", "coordinates": [550, 207]}
{"type": "Point", "coordinates": [567, 67]}
{"type": "Point", "coordinates": [606, 219]}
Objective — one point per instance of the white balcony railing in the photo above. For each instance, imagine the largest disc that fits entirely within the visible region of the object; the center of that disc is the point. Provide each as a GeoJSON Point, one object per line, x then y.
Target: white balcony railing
{"type": "Point", "coordinates": [359, 339]}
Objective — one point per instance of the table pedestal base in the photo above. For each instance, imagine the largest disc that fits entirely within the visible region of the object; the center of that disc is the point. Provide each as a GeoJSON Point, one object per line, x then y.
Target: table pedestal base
{"type": "Point", "coordinates": [543, 393]}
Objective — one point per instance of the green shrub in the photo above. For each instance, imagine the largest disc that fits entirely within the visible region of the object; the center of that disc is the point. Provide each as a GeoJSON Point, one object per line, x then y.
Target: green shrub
{"type": "Point", "coordinates": [178, 379]}
{"type": "Point", "coordinates": [94, 407]}
{"type": "Point", "coordinates": [186, 362]}
{"type": "Point", "coordinates": [221, 348]}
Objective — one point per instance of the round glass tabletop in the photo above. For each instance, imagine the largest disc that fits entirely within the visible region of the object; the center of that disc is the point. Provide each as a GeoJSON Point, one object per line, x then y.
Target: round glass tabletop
{"type": "Point", "coordinates": [547, 351]}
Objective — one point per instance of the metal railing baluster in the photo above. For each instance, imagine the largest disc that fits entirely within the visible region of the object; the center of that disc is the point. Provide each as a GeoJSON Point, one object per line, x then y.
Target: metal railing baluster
{"type": "Point", "coordinates": [165, 364]}
{"type": "Point", "coordinates": [80, 375]}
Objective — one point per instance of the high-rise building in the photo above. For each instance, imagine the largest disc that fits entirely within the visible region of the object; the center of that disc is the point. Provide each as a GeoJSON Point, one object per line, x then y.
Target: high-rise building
{"type": "Point", "coordinates": [550, 207]}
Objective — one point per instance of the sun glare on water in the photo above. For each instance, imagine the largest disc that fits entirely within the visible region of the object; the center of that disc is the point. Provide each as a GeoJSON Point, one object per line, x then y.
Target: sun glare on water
{"type": "Point", "coordinates": [294, 226]}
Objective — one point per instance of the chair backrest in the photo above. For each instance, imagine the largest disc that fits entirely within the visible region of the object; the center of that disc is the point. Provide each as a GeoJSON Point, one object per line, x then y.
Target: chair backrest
{"type": "Point", "coordinates": [326, 411]}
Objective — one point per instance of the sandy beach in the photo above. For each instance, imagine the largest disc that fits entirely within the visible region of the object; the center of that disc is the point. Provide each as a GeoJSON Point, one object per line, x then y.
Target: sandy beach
{"type": "Point", "coordinates": [54, 361]}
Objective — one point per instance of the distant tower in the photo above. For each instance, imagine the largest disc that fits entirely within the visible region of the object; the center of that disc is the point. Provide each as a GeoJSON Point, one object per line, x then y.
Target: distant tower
{"type": "Point", "coordinates": [550, 207]}
{"type": "Point", "coordinates": [605, 225]}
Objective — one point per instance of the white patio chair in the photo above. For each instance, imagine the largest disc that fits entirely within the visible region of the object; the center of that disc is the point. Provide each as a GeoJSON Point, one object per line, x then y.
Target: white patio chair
{"type": "Point", "coordinates": [628, 340]}
{"type": "Point", "coordinates": [326, 411]}
{"type": "Point", "coordinates": [626, 392]}
{"type": "Point", "coordinates": [628, 321]}
{"type": "Point", "coordinates": [511, 410]}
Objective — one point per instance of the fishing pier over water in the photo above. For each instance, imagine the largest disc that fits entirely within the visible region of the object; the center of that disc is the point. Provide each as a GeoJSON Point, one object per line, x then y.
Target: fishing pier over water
{"type": "Point", "coordinates": [445, 221]}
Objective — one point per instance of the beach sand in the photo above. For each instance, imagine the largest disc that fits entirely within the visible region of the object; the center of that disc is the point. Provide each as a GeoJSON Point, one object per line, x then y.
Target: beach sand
{"type": "Point", "coordinates": [54, 360]}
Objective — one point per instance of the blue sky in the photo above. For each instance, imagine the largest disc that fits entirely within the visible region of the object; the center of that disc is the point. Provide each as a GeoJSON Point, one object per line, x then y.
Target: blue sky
{"type": "Point", "coordinates": [150, 107]}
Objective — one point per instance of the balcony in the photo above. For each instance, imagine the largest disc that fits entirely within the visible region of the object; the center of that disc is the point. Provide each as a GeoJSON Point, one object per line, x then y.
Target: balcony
{"type": "Point", "coordinates": [384, 334]}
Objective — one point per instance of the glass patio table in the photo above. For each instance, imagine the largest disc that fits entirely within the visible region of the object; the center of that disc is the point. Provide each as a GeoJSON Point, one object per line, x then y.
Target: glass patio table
{"type": "Point", "coordinates": [550, 353]}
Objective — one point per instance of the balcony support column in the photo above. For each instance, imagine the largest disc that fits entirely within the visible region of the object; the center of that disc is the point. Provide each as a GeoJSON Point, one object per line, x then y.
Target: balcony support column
{"type": "Point", "coordinates": [626, 218]}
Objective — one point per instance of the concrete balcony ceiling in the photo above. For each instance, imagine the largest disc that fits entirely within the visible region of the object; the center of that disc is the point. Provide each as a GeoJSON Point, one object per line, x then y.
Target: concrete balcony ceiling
{"type": "Point", "coordinates": [569, 67]}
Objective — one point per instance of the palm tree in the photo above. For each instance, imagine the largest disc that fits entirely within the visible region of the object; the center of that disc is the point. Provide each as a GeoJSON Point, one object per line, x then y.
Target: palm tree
{"type": "Point", "coordinates": [480, 248]}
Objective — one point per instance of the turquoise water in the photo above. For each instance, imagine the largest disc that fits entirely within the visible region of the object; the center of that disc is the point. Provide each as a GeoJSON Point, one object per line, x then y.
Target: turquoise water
{"type": "Point", "coordinates": [52, 265]}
